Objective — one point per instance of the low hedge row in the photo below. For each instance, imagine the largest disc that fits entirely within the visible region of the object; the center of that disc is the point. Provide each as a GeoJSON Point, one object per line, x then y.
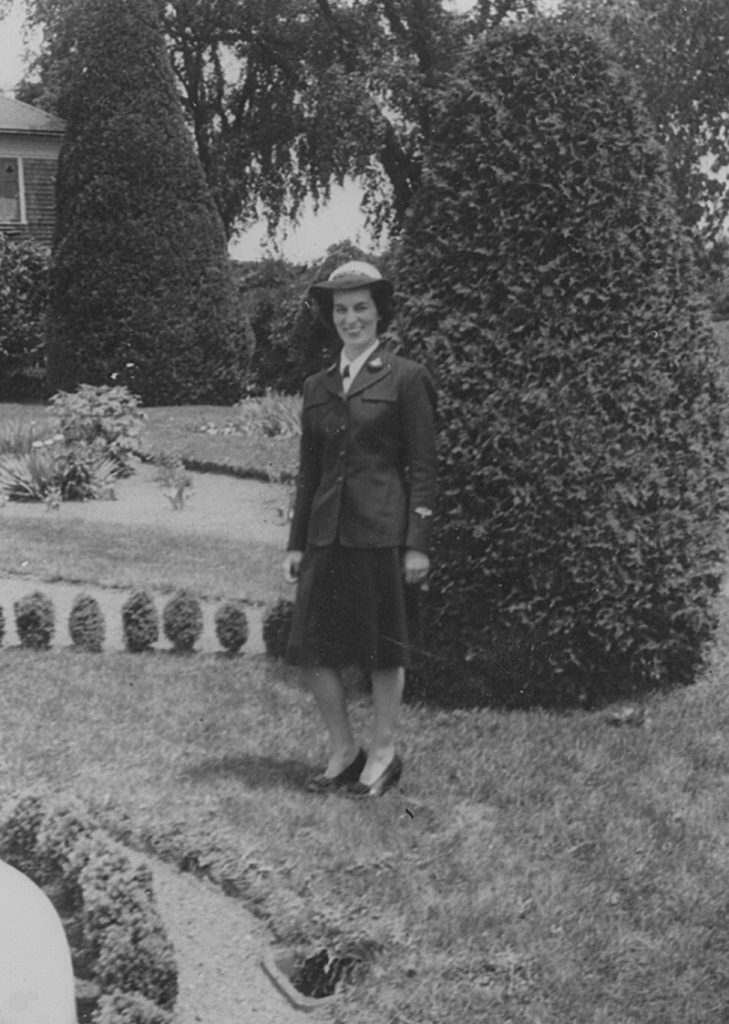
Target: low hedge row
{"type": "Point", "coordinates": [122, 958]}
{"type": "Point", "coordinates": [182, 623]}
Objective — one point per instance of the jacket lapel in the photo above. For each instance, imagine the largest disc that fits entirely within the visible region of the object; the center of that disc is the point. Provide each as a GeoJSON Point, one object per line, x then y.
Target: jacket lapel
{"type": "Point", "coordinates": [374, 370]}
{"type": "Point", "coordinates": [333, 380]}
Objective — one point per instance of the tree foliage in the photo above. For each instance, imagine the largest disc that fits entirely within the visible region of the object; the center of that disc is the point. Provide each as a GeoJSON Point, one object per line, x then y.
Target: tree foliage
{"type": "Point", "coordinates": [678, 52]}
{"type": "Point", "coordinates": [549, 285]}
{"type": "Point", "coordinates": [23, 299]}
{"type": "Point", "coordinates": [287, 97]}
{"type": "Point", "coordinates": [140, 290]}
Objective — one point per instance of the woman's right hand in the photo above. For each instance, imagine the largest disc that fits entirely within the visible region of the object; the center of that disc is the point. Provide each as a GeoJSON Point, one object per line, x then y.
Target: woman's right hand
{"type": "Point", "coordinates": [292, 561]}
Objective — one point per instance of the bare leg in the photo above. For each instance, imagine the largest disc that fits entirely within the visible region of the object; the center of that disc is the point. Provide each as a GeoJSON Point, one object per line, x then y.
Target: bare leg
{"type": "Point", "coordinates": [328, 692]}
{"type": "Point", "coordinates": [387, 690]}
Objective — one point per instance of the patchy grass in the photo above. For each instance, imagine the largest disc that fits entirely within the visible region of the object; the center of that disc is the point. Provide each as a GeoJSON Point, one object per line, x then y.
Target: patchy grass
{"type": "Point", "coordinates": [538, 867]}
{"type": "Point", "coordinates": [178, 431]}
{"type": "Point", "coordinates": [115, 555]}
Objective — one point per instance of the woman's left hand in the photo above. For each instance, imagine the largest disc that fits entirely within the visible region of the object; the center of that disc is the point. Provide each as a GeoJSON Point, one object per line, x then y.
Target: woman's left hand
{"type": "Point", "coordinates": [416, 566]}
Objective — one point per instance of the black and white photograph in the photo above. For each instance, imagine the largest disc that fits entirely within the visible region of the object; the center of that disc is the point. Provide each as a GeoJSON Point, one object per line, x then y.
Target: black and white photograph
{"type": "Point", "coordinates": [364, 511]}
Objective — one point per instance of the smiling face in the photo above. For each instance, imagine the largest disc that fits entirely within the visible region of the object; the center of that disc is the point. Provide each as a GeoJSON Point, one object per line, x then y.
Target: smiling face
{"type": "Point", "coordinates": [355, 316]}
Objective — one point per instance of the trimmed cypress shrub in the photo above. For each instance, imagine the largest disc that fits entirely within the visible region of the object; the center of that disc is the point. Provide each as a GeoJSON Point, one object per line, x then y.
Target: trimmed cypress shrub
{"type": "Point", "coordinates": [277, 626]}
{"type": "Point", "coordinates": [2, 624]}
{"type": "Point", "coordinates": [549, 287]}
{"type": "Point", "coordinates": [231, 625]}
{"type": "Point", "coordinates": [140, 286]}
{"type": "Point", "coordinates": [140, 622]}
{"type": "Point", "coordinates": [35, 621]}
{"type": "Point", "coordinates": [86, 625]}
{"type": "Point", "coordinates": [182, 620]}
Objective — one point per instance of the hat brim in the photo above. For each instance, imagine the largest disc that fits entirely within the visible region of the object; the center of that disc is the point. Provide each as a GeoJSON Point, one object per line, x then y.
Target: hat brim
{"type": "Point", "coordinates": [348, 283]}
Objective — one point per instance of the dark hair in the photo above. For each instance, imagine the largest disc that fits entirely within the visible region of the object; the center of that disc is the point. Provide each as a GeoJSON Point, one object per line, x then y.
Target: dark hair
{"type": "Point", "coordinates": [321, 302]}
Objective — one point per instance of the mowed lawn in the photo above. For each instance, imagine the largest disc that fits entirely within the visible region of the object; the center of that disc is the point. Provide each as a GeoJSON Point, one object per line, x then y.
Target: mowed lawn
{"type": "Point", "coordinates": [537, 867]}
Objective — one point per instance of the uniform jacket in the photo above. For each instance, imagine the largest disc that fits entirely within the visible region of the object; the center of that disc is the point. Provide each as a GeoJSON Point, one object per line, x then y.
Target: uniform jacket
{"type": "Point", "coordinates": [367, 464]}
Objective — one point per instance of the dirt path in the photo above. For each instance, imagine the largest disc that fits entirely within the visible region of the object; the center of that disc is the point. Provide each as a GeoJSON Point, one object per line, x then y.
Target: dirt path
{"type": "Point", "coordinates": [219, 946]}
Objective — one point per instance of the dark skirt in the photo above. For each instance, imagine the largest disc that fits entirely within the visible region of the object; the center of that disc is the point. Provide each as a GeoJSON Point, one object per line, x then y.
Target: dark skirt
{"type": "Point", "coordinates": [351, 609]}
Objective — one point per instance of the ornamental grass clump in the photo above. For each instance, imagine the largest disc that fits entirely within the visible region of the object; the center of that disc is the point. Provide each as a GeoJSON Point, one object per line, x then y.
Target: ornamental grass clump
{"type": "Point", "coordinates": [182, 620]}
{"type": "Point", "coordinates": [552, 292]}
{"type": "Point", "coordinates": [35, 621]}
{"type": "Point", "coordinates": [86, 625]}
{"type": "Point", "coordinates": [231, 625]}
{"type": "Point", "coordinates": [140, 622]}
{"type": "Point", "coordinates": [277, 626]}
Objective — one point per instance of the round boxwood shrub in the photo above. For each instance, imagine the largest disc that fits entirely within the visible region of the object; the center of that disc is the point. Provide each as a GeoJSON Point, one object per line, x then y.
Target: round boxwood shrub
{"type": "Point", "coordinates": [140, 621]}
{"type": "Point", "coordinates": [231, 625]}
{"type": "Point", "coordinates": [182, 620]}
{"type": "Point", "coordinates": [277, 626]}
{"type": "Point", "coordinates": [35, 621]}
{"type": "Point", "coordinates": [86, 625]}
{"type": "Point", "coordinates": [549, 287]}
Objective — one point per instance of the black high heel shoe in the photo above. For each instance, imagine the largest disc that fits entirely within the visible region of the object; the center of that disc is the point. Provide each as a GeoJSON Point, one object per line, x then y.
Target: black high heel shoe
{"type": "Point", "coordinates": [389, 778]}
{"type": "Point", "coordinates": [326, 783]}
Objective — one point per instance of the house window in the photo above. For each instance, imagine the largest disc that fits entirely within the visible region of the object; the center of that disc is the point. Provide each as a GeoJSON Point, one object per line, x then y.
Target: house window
{"type": "Point", "coordinates": [10, 212]}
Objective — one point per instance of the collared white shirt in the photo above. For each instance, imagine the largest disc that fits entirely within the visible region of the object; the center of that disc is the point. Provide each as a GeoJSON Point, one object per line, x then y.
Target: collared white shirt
{"type": "Point", "coordinates": [355, 365]}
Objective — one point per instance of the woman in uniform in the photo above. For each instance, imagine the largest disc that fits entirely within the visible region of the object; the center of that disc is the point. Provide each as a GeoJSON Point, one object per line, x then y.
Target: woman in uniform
{"type": "Point", "coordinates": [361, 524]}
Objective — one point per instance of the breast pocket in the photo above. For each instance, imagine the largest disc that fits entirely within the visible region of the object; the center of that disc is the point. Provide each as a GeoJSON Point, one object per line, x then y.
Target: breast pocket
{"type": "Point", "coordinates": [375, 421]}
{"type": "Point", "coordinates": [325, 416]}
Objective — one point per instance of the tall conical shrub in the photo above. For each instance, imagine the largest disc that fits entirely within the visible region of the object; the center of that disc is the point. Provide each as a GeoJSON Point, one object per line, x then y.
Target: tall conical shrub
{"type": "Point", "coordinates": [141, 290]}
{"type": "Point", "coordinates": [549, 287]}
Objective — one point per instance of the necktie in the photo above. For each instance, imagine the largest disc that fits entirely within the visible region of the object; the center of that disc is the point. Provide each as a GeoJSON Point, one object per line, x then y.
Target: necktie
{"type": "Point", "coordinates": [346, 378]}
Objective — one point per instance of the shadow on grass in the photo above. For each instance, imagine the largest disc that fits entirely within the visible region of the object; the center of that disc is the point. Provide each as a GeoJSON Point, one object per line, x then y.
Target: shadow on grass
{"type": "Point", "coordinates": [256, 770]}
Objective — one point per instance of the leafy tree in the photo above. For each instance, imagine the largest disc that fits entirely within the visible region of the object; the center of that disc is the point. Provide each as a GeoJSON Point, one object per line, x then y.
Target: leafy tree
{"type": "Point", "coordinates": [678, 51]}
{"type": "Point", "coordinates": [140, 291]}
{"type": "Point", "coordinates": [287, 97]}
{"type": "Point", "coordinates": [548, 283]}
{"type": "Point", "coordinates": [269, 289]}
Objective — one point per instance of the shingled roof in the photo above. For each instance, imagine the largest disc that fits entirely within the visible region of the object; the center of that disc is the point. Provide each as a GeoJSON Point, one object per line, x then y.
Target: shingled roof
{"type": "Point", "coordinates": [22, 118]}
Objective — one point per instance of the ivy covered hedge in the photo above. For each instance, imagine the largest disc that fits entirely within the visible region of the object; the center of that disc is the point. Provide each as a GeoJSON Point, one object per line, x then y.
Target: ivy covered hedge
{"type": "Point", "coordinates": [547, 284]}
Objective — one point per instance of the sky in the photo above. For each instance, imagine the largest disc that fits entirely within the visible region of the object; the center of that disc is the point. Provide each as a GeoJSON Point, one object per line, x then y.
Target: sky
{"type": "Point", "coordinates": [340, 219]}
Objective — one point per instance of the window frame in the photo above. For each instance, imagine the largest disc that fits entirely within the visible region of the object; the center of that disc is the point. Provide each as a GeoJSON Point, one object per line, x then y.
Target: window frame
{"type": "Point", "coordinates": [22, 218]}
